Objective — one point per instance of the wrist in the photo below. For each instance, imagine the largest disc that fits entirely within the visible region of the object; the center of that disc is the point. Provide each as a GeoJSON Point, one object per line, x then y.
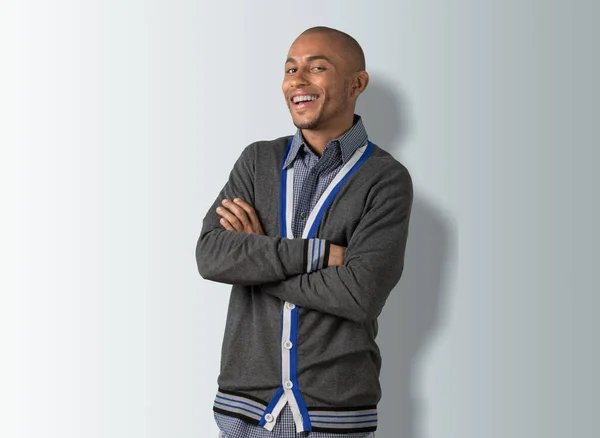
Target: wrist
{"type": "Point", "coordinates": [336, 255]}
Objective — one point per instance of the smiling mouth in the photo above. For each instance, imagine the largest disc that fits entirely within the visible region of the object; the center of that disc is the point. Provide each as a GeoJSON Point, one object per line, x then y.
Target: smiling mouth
{"type": "Point", "coordinates": [304, 99]}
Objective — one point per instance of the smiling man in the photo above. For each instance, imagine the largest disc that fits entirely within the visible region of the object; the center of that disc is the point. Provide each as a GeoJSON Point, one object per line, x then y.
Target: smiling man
{"type": "Point", "coordinates": [310, 230]}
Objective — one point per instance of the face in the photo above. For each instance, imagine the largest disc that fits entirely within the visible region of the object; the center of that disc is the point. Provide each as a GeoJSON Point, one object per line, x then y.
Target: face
{"type": "Point", "coordinates": [317, 83]}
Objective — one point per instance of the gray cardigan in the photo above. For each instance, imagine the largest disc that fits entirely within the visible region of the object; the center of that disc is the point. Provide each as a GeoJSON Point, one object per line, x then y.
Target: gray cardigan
{"type": "Point", "coordinates": [331, 370]}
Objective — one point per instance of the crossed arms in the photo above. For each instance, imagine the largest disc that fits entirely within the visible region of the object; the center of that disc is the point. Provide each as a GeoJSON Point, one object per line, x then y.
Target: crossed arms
{"type": "Point", "coordinates": [351, 283]}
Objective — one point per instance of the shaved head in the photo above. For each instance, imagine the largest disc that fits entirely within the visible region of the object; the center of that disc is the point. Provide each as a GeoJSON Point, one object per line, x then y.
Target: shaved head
{"type": "Point", "coordinates": [324, 75]}
{"type": "Point", "coordinates": [352, 51]}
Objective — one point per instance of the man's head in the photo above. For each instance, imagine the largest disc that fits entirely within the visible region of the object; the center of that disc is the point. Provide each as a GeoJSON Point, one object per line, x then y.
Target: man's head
{"type": "Point", "coordinates": [324, 75]}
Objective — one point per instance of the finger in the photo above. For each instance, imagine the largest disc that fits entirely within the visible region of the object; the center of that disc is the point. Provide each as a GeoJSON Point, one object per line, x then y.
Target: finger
{"type": "Point", "coordinates": [238, 212]}
{"type": "Point", "coordinates": [246, 207]}
{"type": "Point", "coordinates": [226, 224]}
{"type": "Point", "coordinates": [231, 218]}
{"type": "Point", "coordinates": [250, 212]}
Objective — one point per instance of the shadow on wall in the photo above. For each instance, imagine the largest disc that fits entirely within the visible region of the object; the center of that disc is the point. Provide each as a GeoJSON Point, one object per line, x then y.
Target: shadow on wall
{"type": "Point", "coordinates": [413, 312]}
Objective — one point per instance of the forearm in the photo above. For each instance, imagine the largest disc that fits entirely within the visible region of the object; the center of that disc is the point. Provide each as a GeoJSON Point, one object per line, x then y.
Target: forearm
{"type": "Point", "coordinates": [352, 291]}
{"type": "Point", "coordinates": [250, 259]}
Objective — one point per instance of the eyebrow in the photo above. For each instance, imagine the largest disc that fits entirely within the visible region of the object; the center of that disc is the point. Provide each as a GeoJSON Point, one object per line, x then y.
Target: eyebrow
{"type": "Point", "coordinates": [311, 58]}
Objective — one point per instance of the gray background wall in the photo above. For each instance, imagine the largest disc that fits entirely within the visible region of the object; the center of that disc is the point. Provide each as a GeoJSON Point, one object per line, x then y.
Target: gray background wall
{"type": "Point", "coordinates": [120, 120]}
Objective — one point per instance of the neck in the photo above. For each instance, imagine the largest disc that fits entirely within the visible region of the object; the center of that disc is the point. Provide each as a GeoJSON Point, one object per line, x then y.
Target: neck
{"type": "Point", "coordinates": [317, 139]}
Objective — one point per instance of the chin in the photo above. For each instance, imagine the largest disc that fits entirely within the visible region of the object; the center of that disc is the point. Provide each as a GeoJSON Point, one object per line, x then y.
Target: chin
{"type": "Point", "coordinates": [307, 124]}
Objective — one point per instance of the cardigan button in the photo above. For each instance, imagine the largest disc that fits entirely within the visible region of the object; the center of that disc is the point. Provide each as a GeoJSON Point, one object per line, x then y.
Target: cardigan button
{"type": "Point", "coordinates": [288, 345]}
{"type": "Point", "coordinates": [269, 418]}
{"type": "Point", "coordinates": [290, 306]}
{"type": "Point", "coordinates": [288, 384]}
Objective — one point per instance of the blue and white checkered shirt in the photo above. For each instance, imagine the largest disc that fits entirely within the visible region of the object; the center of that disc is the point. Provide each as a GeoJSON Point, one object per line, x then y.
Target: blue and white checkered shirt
{"type": "Point", "coordinates": [312, 175]}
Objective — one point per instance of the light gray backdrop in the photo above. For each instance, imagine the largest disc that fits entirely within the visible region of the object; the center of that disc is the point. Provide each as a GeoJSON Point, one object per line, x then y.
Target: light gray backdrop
{"type": "Point", "coordinates": [119, 123]}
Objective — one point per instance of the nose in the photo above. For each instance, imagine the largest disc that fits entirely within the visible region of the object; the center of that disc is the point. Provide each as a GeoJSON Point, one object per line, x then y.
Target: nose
{"type": "Point", "coordinates": [299, 79]}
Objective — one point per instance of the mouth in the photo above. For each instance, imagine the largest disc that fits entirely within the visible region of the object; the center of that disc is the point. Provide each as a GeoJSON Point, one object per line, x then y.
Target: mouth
{"type": "Point", "coordinates": [304, 100]}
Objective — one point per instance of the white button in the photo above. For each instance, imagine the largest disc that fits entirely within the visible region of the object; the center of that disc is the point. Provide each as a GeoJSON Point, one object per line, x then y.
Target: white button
{"type": "Point", "coordinates": [302, 214]}
{"type": "Point", "coordinates": [290, 306]}
{"type": "Point", "coordinates": [288, 385]}
{"type": "Point", "coordinates": [269, 418]}
{"type": "Point", "coordinates": [288, 345]}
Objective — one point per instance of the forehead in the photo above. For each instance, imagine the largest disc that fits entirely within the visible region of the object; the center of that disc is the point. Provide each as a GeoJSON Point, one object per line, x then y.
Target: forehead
{"type": "Point", "coordinates": [316, 44]}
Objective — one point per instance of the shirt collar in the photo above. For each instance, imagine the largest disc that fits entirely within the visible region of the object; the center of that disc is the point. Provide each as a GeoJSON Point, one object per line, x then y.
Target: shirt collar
{"type": "Point", "coordinates": [349, 142]}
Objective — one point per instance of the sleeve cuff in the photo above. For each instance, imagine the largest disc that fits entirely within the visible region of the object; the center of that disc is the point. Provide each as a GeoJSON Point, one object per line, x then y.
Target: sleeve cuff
{"type": "Point", "coordinates": [316, 254]}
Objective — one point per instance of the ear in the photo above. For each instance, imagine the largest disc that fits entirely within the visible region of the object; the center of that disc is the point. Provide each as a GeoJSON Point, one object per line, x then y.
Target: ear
{"type": "Point", "coordinates": [360, 83]}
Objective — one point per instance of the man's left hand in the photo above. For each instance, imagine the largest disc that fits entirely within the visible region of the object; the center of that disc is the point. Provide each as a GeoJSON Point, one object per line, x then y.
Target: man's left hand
{"type": "Point", "coordinates": [238, 215]}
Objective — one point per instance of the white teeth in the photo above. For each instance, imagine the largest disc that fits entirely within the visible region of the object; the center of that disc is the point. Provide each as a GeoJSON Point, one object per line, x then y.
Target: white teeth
{"type": "Point", "coordinates": [304, 98]}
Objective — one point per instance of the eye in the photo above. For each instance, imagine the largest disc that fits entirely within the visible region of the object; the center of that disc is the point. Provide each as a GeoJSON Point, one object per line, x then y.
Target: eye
{"type": "Point", "coordinates": [318, 69]}
{"type": "Point", "coordinates": [290, 70]}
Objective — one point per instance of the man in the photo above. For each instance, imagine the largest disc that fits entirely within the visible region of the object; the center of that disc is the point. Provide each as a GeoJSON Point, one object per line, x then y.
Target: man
{"type": "Point", "coordinates": [311, 232]}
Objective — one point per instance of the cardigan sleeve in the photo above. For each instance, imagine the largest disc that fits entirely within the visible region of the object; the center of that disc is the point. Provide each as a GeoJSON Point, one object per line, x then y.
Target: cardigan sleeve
{"type": "Point", "coordinates": [374, 259]}
{"type": "Point", "coordinates": [250, 259]}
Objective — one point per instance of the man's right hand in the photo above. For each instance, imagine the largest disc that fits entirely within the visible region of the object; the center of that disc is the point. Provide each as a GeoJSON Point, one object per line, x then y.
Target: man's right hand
{"type": "Point", "coordinates": [336, 255]}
